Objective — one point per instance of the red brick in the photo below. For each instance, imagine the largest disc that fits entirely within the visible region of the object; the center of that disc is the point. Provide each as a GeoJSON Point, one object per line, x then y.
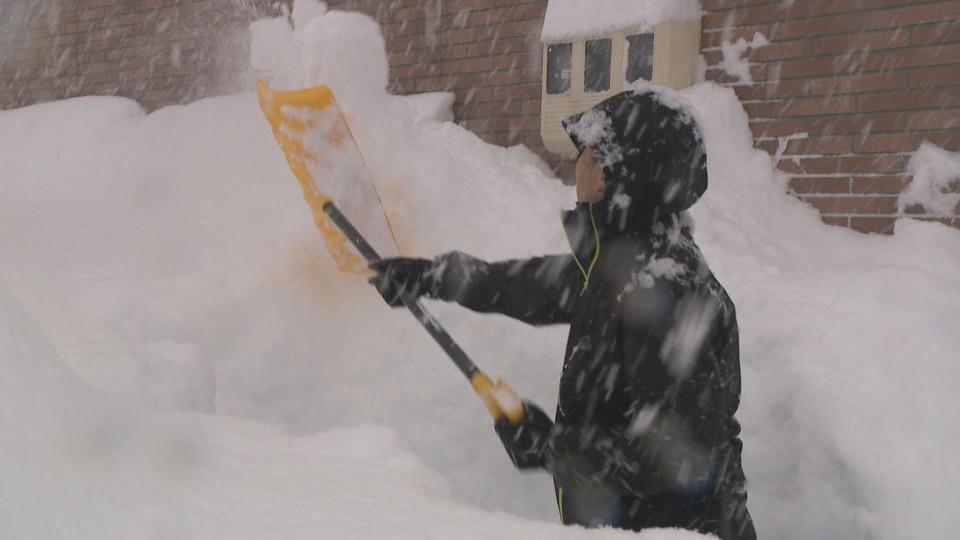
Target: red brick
{"type": "Point", "coordinates": [522, 12]}
{"type": "Point", "coordinates": [933, 77]}
{"type": "Point", "coordinates": [947, 31]}
{"type": "Point", "coordinates": [858, 83]}
{"type": "Point", "coordinates": [873, 225]}
{"type": "Point", "coordinates": [431, 84]}
{"type": "Point", "coordinates": [932, 98]}
{"type": "Point", "coordinates": [416, 71]}
{"type": "Point", "coordinates": [820, 146]}
{"type": "Point", "coordinates": [714, 5]}
{"type": "Point", "coordinates": [769, 146]}
{"type": "Point", "coordinates": [815, 67]}
{"type": "Point", "coordinates": [831, 24]}
{"type": "Point", "coordinates": [876, 164]}
{"type": "Point", "coordinates": [531, 106]}
{"type": "Point", "coordinates": [880, 185]}
{"type": "Point", "coordinates": [517, 60]}
{"type": "Point", "coordinates": [816, 106]}
{"type": "Point", "coordinates": [771, 90]}
{"type": "Point", "coordinates": [528, 90]}
{"type": "Point", "coordinates": [500, 46]}
{"type": "Point", "coordinates": [948, 119]}
{"type": "Point", "coordinates": [916, 57]}
{"type": "Point", "coordinates": [844, 44]}
{"type": "Point", "coordinates": [473, 95]}
{"type": "Point", "coordinates": [820, 184]}
{"type": "Point", "coordinates": [915, 14]}
{"type": "Point", "coordinates": [713, 58]}
{"type": "Point", "coordinates": [401, 58]}
{"type": "Point", "coordinates": [906, 142]}
{"type": "Point", "coordinates": [847, 6]}
{"type": "Point", "coordinates": [763, 109]}
{"type": "Point", "coordinates": [758, 72]}
{"type": "Point", "coordinates": [854, 205]}
{"type": "Point", "coordinates": [861, 124]}
{"type": "Point", "coordinates": [711, 39]}
{"type": "Point", "coordinates": [780, 50]}
{"type": "Point", "coordinates": [744, 17]}
{"type": "Point", "coordinates": [836, 221]}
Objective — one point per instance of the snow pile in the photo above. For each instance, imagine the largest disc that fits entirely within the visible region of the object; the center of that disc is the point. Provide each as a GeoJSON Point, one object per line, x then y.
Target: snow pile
{"type": "Point", "coordinates": [173, 264]}
{"type": "Point", "coordinates": [847, 348]}
{"type": "Point", "coordinates": [734, 63]}
{"type": "Point", "coordinates": [574, 19]}
{"type": "Point", "coordinates": [936, 181]}
{"type": "Point", "coordinates": [76, 467]}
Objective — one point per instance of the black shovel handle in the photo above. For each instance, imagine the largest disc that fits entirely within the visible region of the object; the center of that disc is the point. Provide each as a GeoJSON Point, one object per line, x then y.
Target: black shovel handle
{"type": "Point", "coordinates": [499, 398]}
{"type": "Point", "coordinates": [446, 342]}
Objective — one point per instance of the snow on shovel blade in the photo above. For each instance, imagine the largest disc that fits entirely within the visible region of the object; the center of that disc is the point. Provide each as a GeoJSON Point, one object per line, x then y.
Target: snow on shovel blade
{"type": "Point", "coordinates": [323, 155]}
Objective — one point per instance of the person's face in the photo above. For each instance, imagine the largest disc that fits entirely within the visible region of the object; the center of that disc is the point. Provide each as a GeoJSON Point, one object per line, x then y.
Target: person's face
{"type": "Point", "coordinates": [589, 176]}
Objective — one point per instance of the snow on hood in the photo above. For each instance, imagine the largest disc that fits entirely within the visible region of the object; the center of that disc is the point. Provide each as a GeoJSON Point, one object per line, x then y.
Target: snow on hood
{"type": "Point", "coordinates": [650, 144]}
{"type": "Point", "coordinates": [571, 19]}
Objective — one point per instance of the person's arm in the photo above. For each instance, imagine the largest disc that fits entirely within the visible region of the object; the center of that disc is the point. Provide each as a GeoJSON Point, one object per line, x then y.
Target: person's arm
{"type": "Point", "coordinates": [537, 291]}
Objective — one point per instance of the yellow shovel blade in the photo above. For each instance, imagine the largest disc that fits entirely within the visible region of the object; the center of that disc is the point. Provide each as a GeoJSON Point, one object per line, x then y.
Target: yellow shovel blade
{"type": "Point", "coordinates": [304, 122]}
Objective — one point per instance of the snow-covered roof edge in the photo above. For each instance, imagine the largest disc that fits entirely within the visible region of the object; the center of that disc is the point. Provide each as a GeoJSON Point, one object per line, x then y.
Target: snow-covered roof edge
{"type": "Point", "coordinates": [574, 19]}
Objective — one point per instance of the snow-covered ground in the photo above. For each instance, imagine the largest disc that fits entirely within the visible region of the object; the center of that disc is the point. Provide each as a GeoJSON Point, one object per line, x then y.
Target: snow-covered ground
{"type": "Point", "coordinates": [179, 357]}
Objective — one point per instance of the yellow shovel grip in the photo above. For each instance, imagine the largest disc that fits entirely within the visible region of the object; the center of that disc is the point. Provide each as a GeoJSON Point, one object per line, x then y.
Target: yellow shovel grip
{"type": "Point", "coordinates": [500, 399]}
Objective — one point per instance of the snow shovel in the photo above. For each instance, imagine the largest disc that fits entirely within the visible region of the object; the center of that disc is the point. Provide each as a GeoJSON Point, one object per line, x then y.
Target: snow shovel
{"type": "Point", "coordinates": [318, 144]}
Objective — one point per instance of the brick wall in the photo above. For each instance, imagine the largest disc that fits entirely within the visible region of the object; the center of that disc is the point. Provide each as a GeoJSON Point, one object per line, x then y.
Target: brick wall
{"type": "Point", "coordinates": [867, 80]}
{"type": "Point", "coordinates": [155, 51]}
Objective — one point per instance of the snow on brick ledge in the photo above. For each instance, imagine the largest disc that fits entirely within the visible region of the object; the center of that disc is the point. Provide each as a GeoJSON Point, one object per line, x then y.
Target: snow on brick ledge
{"type": "Point", "coordinates": [570, 19]}
{"type": "Point", "coordinates": [936, 173]}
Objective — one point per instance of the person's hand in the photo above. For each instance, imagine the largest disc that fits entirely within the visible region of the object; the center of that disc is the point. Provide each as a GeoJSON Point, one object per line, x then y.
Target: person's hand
{"type": "Point", "coordinates": [399, 276]}
{"type": "Point", "coordinates": [527, 443]}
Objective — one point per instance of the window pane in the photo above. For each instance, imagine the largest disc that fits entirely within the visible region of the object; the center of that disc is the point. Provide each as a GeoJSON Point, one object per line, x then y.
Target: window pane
{"type": "Point", "coordinates": [559, 68]}
{"type": "Point", "coordinates": [640, 57]}
{"type": "Point", "coordinates": [597, 70]}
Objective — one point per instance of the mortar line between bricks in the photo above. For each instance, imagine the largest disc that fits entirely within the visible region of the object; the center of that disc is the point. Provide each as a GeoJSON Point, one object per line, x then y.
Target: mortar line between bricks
{"type": "Point", "coordinates": [847, 195]}
{"type": "Point", "coordinates": [842, 175]}
{"type": "Point", "coordinates": [856, 93]}
{"type": "Point", "coordinates": [912, 46]}
{"type": "Point", "coordinates": [890, 50]}
{"type": "Point", "coordinates": [819, 16]}
{"type": "Point", "coordinates": [860, 115]}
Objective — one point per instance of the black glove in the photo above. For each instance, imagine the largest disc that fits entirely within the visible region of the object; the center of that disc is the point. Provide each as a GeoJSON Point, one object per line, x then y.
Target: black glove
{"type": "Point", "coordinates": [528, 442]}
{"type": "Point", "coordinates": [398, 276]}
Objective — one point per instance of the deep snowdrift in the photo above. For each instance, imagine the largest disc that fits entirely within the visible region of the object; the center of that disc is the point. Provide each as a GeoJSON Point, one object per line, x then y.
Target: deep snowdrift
{"type": "Point", "coordinates": [77, 467]}
{"type": "Point", "coordinates": [172, 263]}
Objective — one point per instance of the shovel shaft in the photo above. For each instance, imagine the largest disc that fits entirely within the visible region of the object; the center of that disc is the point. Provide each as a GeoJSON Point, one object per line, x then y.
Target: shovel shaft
{"type": "Point", "coordinates": [439, 334]}
{"type": "Point", "coordinates": [501, 401]}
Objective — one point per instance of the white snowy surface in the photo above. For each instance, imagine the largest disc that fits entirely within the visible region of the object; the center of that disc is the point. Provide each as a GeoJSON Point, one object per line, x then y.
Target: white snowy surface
{"type": "Point", "coordinates": [936, 181]}
{"type": "Point", "coordinates": [171, 264]}
{"type": "Point", "coordinates": [575, 19]}
{"type": "Point", "coordinates": [734, 62]}
{"type": "Point", "coordinates": [78, 467]}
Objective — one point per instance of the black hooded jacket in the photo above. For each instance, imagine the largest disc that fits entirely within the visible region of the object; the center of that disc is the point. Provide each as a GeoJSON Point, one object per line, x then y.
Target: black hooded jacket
{"type": "Point", "coordinates": [645, 432]}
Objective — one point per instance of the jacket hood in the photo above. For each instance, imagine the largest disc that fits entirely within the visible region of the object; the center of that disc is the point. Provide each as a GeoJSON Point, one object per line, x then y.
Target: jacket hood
{"type": "Point", "coordinates": [652, 152]}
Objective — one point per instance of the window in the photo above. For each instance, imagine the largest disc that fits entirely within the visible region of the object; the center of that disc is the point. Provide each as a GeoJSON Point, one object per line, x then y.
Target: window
{"type": "Point", "coordinates": [639, 57]}
{"type": "Point", "coordinates": [596, 76]}
{"type": "Point", "coordinates": [559, 68]}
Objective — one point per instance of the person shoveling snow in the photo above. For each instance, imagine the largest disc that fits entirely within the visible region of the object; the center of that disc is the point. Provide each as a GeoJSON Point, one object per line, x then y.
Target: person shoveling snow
{"type": "Point", "coordinates": [645, 434]}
